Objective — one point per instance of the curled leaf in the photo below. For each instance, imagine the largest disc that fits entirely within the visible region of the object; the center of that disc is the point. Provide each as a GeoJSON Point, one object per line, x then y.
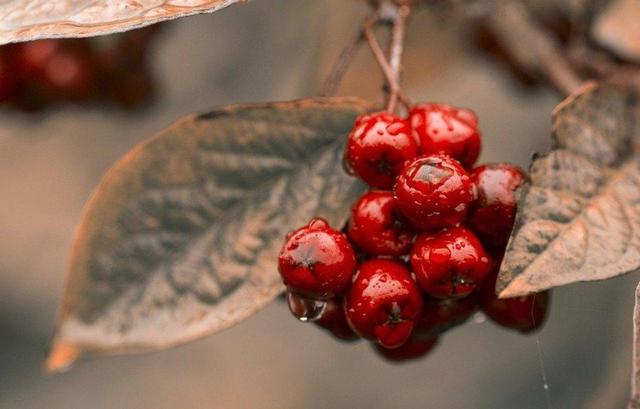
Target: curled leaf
{"type": "Point", "coordinates": [181, 237]}
{"type": "Point", "coordinates": [579, 218]}
{"type": "Point", "coordinates": [84, 18]}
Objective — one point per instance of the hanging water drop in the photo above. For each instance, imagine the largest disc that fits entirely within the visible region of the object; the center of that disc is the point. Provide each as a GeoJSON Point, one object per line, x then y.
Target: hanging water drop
{"type": "Point", "coordinates": [305, 309]}
{"type": "Point", "coordinates": [479, 318]}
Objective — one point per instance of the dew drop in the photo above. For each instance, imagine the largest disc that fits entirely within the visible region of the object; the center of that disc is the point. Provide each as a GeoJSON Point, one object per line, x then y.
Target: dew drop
{"type": "Point", "coordinates": [346, 166]}
{"type": "Point", "coordinates": [304, 309]}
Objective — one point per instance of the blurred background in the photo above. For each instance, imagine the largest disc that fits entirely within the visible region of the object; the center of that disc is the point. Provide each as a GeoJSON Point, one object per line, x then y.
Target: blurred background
{"type": "Point", "coordinates": [51, 159]}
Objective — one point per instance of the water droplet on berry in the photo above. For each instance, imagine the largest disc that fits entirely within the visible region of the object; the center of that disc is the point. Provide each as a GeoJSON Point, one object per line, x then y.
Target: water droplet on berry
{"type": "Point", "coordinates": [346, 166]}
{"type": "Point", "coordinates": [439, 255]}
{"type": "Point", "coordinates": [305, 309]}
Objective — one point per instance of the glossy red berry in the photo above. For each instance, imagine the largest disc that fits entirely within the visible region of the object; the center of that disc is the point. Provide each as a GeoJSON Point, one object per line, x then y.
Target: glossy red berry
{"type": "Point", "coordinates": [493, 212]}
{"type": "Point", "coordinates": [377, 148]}
{"type": "Point", "coordinates": [449, 264]}
{"type": "Point", "coordinates": [524, 314]}
{"type": "Point", "coordinates": [334, 320]}
{"type": "Point", "coordinates": [317, 261]}
{"type": "Point", "coordinates": [439, 315]}
{"type": "Point", "coordinates": [443, 129]}
{"type": "Point", "coordinates": [433, 192]}
{"type": "Point", "coordinates": [377, 227]}
{"type": "Point", "coordinates": [414, 348]}
{"type": "Point", "coordinates": [383, 302]}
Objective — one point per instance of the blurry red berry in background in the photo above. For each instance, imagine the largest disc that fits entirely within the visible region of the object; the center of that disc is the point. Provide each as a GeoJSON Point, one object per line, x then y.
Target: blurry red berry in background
{"type": "Point", "coordinates": [71, 75]}
{"type": "Point", "coordinates": [524, 314]}
{"type": "Point", "coordinates": [440, 315]}
{"type": "Point", "coordinates": [334, 320]}
{"type": "Point", "coordinates": [29, 59]}
{"type": "Point", "coordinates": [414, 348]}
{"type": "Point", "coordinates": [8, 80]}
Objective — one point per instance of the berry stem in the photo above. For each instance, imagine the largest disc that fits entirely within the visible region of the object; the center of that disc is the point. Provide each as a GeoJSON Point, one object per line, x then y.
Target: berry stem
{"type": "Point", "coordinates": [346, 57]}
{"type": "Point", "coordinates": [394, 88]}
{"type": "Point", "coordinates": [532, 46]}
{"type": "Point", "coordinates": [396, 49]}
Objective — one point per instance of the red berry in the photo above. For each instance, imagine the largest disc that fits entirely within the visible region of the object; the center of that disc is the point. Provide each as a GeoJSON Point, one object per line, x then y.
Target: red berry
{"type": "Point", "coordinates": [493, 212]}
{"type": "Point", "coordinates": [434, 192]}
{"type": "Point", "coordinates": [317, 261]}
{"type": "Point", "coordinates": [8, 84]}
{"type": "Point", "coordinates": [334, 320]}
{"type": "Point", "coordinates": [383, 302]}
{"type": "Point", "coordinates": [30, 59]}
{"type": "Point", "coordinates": [443, 129]}
{"type": "Point", "coordinates": [524, 314]}
{"type": "Point", "coordinates": [449, 264]}
{"type": "Point", "coordinates": [377, 148]}
{"type": "Point", "coordinates": [377, 227]}
{"type": "Point", "coordinates": [441, 315]}
{"type": "Point", "coordinates": [70, 74]}
{"type": "Point", "coordinates": [414, 348]}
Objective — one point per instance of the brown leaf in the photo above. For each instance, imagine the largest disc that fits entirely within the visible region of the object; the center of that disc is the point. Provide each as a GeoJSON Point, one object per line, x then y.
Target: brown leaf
{"type": "Point", "coordinates": [579, 218]}
{"type": "Point", "coordinates": [84, 18]}
{"type": "Point", "coordinates": [617, 29]}
{"type": "Point", "coordinates": [181, 237]}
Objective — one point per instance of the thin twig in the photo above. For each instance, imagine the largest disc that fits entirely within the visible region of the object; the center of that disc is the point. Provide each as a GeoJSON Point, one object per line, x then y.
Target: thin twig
{"type": "Point", "coordinates": [396, 49]}
{"type": "Point", "coordinates": [532, 46]}
{"type": "Point", "coordinates": [381, 59]}
{"type": "Point", "coordinates": [331, 84]}
{"type": "Point", "coordinates": [600, 65]}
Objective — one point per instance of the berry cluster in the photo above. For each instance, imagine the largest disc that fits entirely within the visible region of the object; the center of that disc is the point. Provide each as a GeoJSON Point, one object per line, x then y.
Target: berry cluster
{"type": "Point", "coordinates": [38, 74]}
{"type": "Point", "coordinates": [422, 248]}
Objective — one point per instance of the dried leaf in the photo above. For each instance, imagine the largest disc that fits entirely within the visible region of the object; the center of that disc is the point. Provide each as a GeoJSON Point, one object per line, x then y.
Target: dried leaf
{"type": "Point", "coordinates": [634, 403]}
{"type": "Point", "coordinates": [181, 237]}
{"type": "Point", "coordinates": [579, 218]}
{"type": "Point", "coordinates": [84, 18]}
{"type": "Point", "coordinates": [617, 28]}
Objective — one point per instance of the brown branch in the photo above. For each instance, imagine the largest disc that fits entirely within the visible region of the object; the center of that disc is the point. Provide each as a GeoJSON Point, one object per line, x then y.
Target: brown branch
{"type": "Point", "coordinates": [531, 46]}
{"type": "Point", "coordinates": [346, 57]}
{"type": "Point", "coordinates": [601, 66]}
{"type": "Point", "coordinates": [381, 59]}
{"type": "Point", "coordinates": [396, 50]}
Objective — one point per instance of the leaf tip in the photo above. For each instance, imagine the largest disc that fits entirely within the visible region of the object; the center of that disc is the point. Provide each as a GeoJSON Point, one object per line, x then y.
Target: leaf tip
{"type": "Point", "coordinates": [61, 357]}
{"type": "Point", "coordinates": [512, 289]}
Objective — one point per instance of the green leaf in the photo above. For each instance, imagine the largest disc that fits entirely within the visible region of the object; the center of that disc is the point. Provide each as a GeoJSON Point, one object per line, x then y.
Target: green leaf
{"type": "Point", "coordinates": [579, 218]}
{"type": "Point", "coordinates": [180, 239]}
